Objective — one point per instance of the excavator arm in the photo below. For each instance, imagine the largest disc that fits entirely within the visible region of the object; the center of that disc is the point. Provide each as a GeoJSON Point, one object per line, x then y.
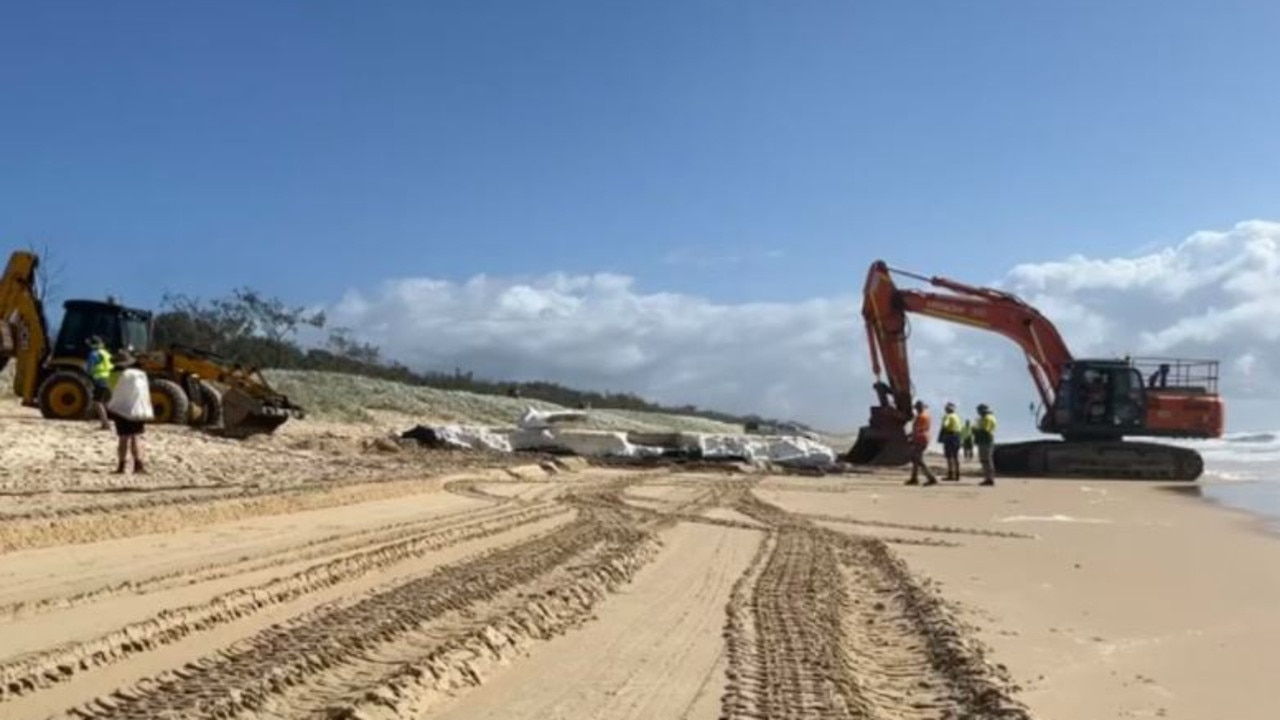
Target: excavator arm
{"type": "Point", "coordinates": [885, 308]}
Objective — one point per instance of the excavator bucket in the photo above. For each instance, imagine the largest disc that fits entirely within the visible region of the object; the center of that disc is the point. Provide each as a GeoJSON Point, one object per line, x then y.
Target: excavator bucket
{"type": "Point", "coordinates": [883, 442]}
{"type": "Point", "coordinates": [244, 415]}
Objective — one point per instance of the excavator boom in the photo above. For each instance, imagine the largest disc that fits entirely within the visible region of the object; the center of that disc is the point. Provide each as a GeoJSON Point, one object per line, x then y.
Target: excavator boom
{"type": "Point", "coordinates": [1092, 404]}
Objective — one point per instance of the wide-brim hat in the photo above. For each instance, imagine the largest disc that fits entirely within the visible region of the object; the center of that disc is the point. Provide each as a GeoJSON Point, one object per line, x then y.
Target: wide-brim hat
{"type": "Point", "coordinates": [94, 342]}
{"type": "Point", "coordinates": [125, 359]}
{"type": "Point", "coordinates": [983, 408]}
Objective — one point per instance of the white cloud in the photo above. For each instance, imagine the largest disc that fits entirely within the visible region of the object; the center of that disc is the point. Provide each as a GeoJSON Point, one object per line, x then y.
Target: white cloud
{"type": "Point", "coordinates": [1215, 294]}
{"type": "Point", "coordinates": [1209, 293]}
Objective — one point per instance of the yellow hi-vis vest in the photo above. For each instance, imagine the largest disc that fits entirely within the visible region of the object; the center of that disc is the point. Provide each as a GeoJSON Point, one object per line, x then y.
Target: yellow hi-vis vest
{"type": "Point", "coordinates": [101, 370]}
{"type": "Point", "coordinates": [951, 423]}
{"type": "Point", "coordinates": [984, 429]}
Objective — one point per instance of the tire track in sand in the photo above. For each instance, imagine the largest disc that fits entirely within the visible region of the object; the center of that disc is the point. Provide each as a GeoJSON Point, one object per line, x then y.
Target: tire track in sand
{"type": "Point", "coordinates": [605, 549]}
{"type": "Point", "coordinates": [820, 625]}
{"type": "Point", "coordinates": [312, 549]}
{"type": "Point", "coordinates": [170, 512]}
{"type": "Point", "coordinates": [943, 529]}
{"type": "Point", "coordinates": [16, 601]}
{"type": "Point", "coordinates": [654, 651]}
{"type": "Point", "coordinates": [825, 625]}
{"type": "Point", "coordinates": [46, 668]}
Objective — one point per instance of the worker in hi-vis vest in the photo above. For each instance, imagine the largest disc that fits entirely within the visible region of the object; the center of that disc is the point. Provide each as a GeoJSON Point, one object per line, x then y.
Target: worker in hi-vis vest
{"type": "Point", "coordinates": [984, 436]}
{"type": "Point", "coordinates": [966, 439]}
{"type": "Point", "coordinates": [99, 367]}
{"type": "Point", "coordinates": [919, 442]}
{"type": "Point", "coordinates": [949, 436]}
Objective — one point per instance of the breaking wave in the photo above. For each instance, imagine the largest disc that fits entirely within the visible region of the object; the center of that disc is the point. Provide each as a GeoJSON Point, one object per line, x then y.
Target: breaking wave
{"type": "Point", "coordinates": [1262, 437]}
{"type": "Point", "coordinates": [1240, 456]}
{"type": "Point", "coordinates": [1244, 447]}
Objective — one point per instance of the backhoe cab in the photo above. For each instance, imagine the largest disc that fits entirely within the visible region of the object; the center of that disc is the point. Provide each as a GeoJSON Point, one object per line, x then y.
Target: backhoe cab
{"type": "Point", "coordinates": [188, 386]}
{"type": "Point", "coordinates": [65, 391]}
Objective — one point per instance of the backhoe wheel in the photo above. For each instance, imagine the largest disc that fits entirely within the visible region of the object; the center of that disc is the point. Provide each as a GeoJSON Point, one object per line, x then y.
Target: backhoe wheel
{"type": "Point", "coordinates": [66, 395]}
{"type": "Point", "coordinates": [169, 402]}
{"type": "Point", "coordinates": [210, 405]}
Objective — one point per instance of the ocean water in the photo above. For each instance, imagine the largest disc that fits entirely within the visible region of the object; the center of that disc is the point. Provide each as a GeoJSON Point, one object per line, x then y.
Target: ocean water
{"type": "Point", "coordinates": [1242, 471]}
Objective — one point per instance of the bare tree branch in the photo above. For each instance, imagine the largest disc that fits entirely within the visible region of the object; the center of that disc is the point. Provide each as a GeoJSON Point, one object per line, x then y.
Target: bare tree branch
{"type": "Point", "coordinates": [49, 273]}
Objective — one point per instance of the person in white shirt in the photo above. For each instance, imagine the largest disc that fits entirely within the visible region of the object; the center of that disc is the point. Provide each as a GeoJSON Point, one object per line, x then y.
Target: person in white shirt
{"type": "Point", "coordinates": [130, 409]}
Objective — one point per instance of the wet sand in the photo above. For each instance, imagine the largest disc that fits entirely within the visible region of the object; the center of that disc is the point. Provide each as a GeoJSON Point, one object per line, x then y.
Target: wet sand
{"type": "Point", "coordinates": [1125, 601]}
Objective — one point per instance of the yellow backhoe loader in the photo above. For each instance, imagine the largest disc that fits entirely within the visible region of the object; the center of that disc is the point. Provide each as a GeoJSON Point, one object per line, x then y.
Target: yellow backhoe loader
{"type": "Point", "coordinates": [188, 385]}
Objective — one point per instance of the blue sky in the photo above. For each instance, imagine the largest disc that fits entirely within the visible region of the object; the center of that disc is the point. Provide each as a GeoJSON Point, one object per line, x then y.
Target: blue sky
{"type": "Point", "coordinates": [736, 151]}
{"type": "Point", "coordinates": [309, 147]}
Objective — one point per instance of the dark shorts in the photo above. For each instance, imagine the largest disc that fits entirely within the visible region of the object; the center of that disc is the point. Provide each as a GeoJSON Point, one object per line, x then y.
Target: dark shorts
{"type": "Point", "coordinates": [101, 392]}
{"type": "Point", "coordinates": [951, 445]}
{"type": "Point", "coordinates": [128, 428]}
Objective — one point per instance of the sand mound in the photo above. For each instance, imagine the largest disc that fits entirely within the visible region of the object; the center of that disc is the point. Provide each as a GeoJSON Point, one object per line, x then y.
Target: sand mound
{"type": "Point", "coordinates": [351, 398]}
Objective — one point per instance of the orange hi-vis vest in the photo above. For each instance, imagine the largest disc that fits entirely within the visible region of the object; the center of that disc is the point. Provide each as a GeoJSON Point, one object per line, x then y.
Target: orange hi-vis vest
{"type": "Point", "coordinates": [920, 427]}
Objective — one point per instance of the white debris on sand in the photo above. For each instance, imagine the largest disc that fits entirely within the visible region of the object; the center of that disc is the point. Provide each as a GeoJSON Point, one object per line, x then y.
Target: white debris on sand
{"type": "Point", "coordinates": [587, 443]}
{"type": "Point", "coordinates": [788, 451]}
{"type": "Point", "coordinates": [534, 418]}
{"type": "Point", "coordinates": [463, 437]}
{"type": "Point", "coordinates": [546, 431]}
{"type": "Point", "coordinates": [784, 450]}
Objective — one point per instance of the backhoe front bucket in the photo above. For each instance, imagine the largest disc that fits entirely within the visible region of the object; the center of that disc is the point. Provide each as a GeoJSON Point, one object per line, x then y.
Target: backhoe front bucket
{"type": "Point", "coordinates": [883, 442]}
{"type": "Point", "coordinates": [244, 415]}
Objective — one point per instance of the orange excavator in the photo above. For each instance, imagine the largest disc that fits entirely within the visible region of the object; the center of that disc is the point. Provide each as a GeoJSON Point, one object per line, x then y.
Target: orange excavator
{"type": "Point", "coordinates": [1093, 404]}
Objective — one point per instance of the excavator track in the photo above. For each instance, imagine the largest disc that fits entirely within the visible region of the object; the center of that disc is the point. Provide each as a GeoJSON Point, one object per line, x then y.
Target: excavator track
{"type": "Point", "coordinates": [1101, 459]}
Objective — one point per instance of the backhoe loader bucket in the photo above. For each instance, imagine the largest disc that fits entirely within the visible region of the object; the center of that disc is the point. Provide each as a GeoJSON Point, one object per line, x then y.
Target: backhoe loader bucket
{"type": "Point", "coordinates": [244, 415]}
{"type": "Point", "coordinates": [883, 442]}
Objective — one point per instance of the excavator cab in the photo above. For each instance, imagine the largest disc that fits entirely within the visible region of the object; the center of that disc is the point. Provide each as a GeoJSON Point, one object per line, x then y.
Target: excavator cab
{"type": "Point", "coordinates": [1110, 399]}
{"type": "Point", "coordinates": [1097, 399]}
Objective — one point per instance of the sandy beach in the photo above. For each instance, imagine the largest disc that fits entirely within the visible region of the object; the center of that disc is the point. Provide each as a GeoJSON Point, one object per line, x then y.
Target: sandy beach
{"type": "Point", "coordinates": [1114, 599]}
{"type": "Point", "coordinates": [323, 573]}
